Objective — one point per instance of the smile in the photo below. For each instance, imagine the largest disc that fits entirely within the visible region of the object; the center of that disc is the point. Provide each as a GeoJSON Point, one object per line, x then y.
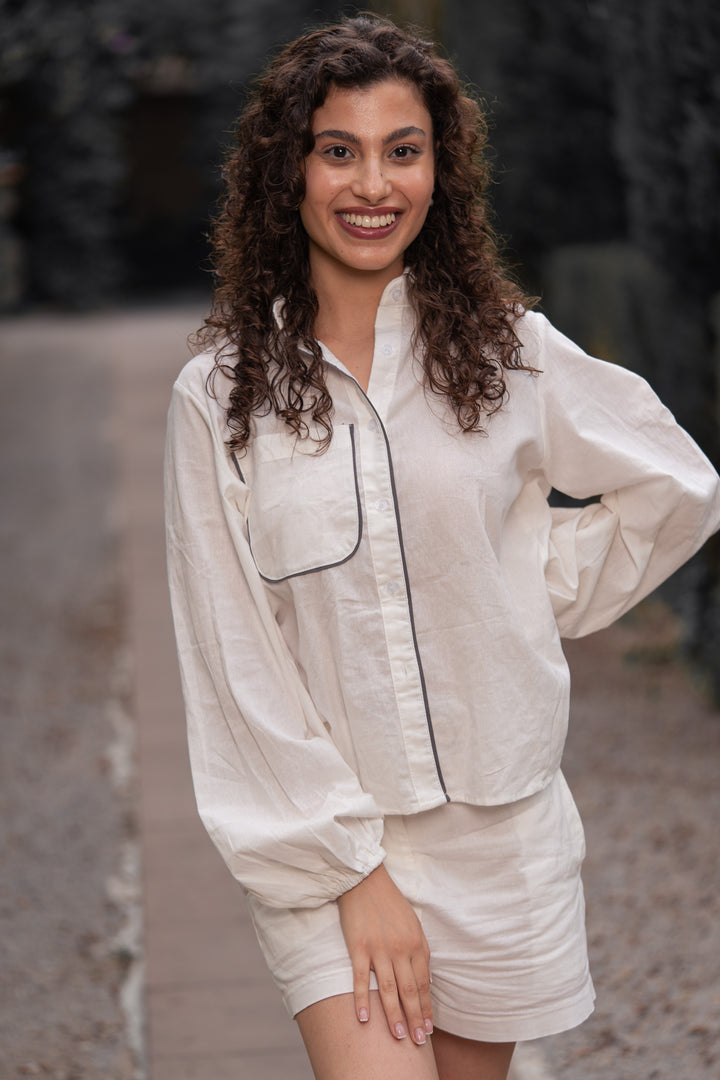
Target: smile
{"type": "Point", "coordinates": [368, 221]}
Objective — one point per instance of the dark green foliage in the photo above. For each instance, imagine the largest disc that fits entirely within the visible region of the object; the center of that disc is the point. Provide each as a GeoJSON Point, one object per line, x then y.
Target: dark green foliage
{"type": "Point", "coordinates": [76, 80]}
{"type": "Point", "coordinates": [543, 68]}
{"type": "Point", "coordinates": [665, 63]}
{"type": "Point", "coordinates": [607, 123]}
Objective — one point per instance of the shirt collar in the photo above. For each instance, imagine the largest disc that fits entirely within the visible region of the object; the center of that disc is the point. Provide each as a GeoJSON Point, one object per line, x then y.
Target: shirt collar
{"type": "Point", "coordinates": [394, 295]}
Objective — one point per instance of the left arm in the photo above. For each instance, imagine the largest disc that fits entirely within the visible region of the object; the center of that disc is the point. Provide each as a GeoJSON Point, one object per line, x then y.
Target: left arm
{"type": "Point", "coordinates": [608, 435]}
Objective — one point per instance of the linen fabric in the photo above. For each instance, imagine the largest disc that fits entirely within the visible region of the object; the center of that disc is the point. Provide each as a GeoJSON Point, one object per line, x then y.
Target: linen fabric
{"type": "Point", "coordinates": [375, 630]}
{"type": "Point", "coordinates": [498, 892]}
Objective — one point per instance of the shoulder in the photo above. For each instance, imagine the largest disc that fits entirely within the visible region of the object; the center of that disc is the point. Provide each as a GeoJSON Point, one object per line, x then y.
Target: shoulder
{"type": "Point", "coordinates": [572, 383]}
{"type": "Point", "coordinates": [200, 398]}
{"type": "Point", "coordinates": [555, 356]}
{"type": "Point", "coordinates": [540, 339]}
{"type": "Point", "coordinates": [205, 377]}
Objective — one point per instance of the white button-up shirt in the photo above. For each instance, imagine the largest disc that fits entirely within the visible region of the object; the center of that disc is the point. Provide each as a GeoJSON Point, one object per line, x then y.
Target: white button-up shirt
{"type": "Point", "coordinates": [376, 629]}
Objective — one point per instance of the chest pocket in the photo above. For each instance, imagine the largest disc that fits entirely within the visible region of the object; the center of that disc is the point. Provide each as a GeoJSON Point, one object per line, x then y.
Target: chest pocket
{"type": "Point", "coordinates": [304, 512]}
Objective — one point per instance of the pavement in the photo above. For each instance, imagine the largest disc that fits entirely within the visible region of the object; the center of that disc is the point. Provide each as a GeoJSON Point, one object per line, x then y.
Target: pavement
{"type": "Point", "coordinates": [161, 977]}
{"type": "Point", "coordinates": [211, 1010]}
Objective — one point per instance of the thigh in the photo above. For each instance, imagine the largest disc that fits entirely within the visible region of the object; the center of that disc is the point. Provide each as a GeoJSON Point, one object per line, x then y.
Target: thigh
{"type": "Point", "coordinates": [341, 1048]}
{"type": "Point", "coordinates": [466, 1059]}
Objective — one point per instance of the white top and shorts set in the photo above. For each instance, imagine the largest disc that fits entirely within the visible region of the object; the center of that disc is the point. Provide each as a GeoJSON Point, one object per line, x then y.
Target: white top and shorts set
{"type": "Point", "coordinates": [369, 641]}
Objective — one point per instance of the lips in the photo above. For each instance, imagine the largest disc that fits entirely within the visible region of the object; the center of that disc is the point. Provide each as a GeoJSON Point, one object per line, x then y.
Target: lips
{"type": "Point", "coordinates": [369, 221]}
{"type": "Point", "coordinates": [369, 226]}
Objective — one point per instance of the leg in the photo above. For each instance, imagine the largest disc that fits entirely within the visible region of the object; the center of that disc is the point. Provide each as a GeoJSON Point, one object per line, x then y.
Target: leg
{"type": "Point", "coordinates": [340, 1048]}
{"type": "Point", "coordinates": [465, 1059]}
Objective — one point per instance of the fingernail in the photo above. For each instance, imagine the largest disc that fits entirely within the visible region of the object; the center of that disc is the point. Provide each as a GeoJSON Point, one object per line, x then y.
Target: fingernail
{"type": "Point", "coordinates": [363, 1016]}
{"type": "Point", "coordinates": [428, 1027]}
{"type": "Point", "coordinates": [419, 1036]}
{"type": "Point", "coordinates": [400, 1031]}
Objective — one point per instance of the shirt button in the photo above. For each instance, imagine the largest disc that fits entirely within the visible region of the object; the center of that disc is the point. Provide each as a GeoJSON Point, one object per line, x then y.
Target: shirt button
{"type": "Point", "coordinates": [396, 294]}
{"type": "Point", "coordinates": [388, 350]}
{"type": "Point", "coordinates": [372, 425]}
{"type": "Point", "coordinates": [382, 504]}
{"type": "Point", "coordinates": [392, 588]}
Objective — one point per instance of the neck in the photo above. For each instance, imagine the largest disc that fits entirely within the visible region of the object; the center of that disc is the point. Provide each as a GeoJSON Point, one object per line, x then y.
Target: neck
{"type": "Point", "coordinates": [349, 298]}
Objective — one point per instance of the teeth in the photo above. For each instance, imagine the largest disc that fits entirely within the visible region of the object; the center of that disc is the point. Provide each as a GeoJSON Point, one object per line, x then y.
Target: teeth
{"type": "Point", "coordinates": [365, 221]}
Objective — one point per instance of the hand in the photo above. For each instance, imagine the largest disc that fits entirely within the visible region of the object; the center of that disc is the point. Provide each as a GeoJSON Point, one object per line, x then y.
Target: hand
{"type": "Point", "coordinates": [383, 934]}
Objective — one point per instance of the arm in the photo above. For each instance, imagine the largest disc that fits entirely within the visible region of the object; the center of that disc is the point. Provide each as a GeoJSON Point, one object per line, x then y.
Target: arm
{"type": "Point", "coordinates": [285, 810]}
{"type": "Point", "coordinates": [608, 435]}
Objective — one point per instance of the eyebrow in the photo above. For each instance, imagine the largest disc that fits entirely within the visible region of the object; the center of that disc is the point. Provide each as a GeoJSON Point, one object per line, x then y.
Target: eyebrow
{"type": "Point", "coordinates": [347, 136]}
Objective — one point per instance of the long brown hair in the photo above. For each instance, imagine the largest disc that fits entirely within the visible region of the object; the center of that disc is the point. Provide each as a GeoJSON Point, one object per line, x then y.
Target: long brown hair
{"type": "Point", "coordinates": [466, 306]}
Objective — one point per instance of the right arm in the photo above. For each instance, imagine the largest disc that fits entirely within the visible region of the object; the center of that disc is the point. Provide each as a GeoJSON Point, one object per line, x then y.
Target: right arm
{"type": "Point", "coordinates": [285, 810]}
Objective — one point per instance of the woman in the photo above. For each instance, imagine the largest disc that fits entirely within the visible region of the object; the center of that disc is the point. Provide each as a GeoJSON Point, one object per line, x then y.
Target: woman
{"type": "Point", "coordinates": [369, 585]}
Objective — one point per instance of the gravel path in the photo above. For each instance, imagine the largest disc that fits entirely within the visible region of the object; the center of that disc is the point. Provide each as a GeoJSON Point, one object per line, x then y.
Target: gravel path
{"type": "Point", "coordinates": [643, 760]}
{"type": "Point", "coordinates": [67, 846]}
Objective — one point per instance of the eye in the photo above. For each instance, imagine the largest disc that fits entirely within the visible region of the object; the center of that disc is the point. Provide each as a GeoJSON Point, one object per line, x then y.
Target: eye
{"type": "Point", "coordinates": [337, 153]}
{"type": "Point", "coordinates": [403, 153]}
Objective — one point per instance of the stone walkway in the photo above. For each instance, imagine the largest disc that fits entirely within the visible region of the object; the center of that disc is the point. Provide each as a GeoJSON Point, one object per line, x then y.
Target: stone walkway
{"type": "Point", "coordinates": [212, 1012]}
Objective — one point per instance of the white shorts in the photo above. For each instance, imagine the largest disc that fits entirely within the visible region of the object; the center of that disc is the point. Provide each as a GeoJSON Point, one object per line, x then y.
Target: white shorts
{"type": "Point", "coordinates": [499, 896]}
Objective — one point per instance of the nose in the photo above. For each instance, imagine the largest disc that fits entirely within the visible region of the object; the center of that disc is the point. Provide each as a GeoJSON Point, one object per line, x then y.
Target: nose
{"type": "Point", "coordinates": [369, 182]}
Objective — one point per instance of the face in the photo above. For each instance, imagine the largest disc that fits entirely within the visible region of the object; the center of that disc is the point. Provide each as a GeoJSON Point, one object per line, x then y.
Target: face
{"type": "Point", "coordinates": [368, 180]}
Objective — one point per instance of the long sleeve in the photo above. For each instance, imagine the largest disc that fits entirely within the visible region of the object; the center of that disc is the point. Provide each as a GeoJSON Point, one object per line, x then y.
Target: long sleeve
{"type": "Point", "coordinates": [283, 807]}
{"type": "Point", "coordinates": [608, 435]}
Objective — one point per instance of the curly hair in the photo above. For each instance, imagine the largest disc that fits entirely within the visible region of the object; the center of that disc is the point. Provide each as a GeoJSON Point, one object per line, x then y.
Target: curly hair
{"type": "Point", "coordinates": [465, 304]}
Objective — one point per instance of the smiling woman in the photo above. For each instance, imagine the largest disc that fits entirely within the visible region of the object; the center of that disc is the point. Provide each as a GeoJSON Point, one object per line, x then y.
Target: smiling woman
{"type": "Point", "coordinates": [369, 584]}
{"type": "Point", "coordinates": [262, 251]}
{"type": "Point", "coordinates": [368, 186]}
{"type": "Point", "coordinates": [368, 189]}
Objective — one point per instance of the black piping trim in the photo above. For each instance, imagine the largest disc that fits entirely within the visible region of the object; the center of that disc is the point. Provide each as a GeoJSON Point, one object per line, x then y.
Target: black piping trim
{"type": "Point", "coordinates": [409, 602]}
{"type": "Point", "coordinates": [328, 566]}
{"type": "Point", "coordinates": [237, 466]}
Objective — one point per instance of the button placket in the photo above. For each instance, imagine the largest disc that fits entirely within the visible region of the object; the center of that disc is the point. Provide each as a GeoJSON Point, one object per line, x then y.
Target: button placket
{"type": "Point", "coordinates": [383, 527]}
{"type": "Point", "coordinates": [383, 535]}
{"type": "Point", "coordinates": [382, 523]}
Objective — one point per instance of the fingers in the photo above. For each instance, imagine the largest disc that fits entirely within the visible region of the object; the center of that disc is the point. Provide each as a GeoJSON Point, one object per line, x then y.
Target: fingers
{"type": "Point", "coordinates": [405, 997]}
{"type": "Point", "coordinates": [413, 981]}
{"type": "Point", "coordinates": [383, 934]}
{"type": "Point", "coordinates": [389, 996]}
{"type": "Point", "coordinates": [361, 990]}
{"type": "Point", "coordinates": [422, 979]}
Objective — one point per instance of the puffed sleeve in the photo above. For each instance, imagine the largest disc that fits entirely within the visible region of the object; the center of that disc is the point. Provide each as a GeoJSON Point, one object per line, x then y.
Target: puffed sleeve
{"type": "Point", "coordinates": [607, 435]}
{"type": "Point", "coordinates": [282, 806]}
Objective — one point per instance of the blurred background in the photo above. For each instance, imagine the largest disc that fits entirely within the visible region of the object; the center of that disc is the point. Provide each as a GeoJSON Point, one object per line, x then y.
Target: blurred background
{"type": "Point", "coordinates": [606, 145]}
{"type": "Point", "coordinates": [124, 947]}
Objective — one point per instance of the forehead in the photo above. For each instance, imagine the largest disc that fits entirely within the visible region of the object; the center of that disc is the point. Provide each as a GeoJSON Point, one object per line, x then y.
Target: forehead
{"type": "Point", "coordinates": [382, 106]}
